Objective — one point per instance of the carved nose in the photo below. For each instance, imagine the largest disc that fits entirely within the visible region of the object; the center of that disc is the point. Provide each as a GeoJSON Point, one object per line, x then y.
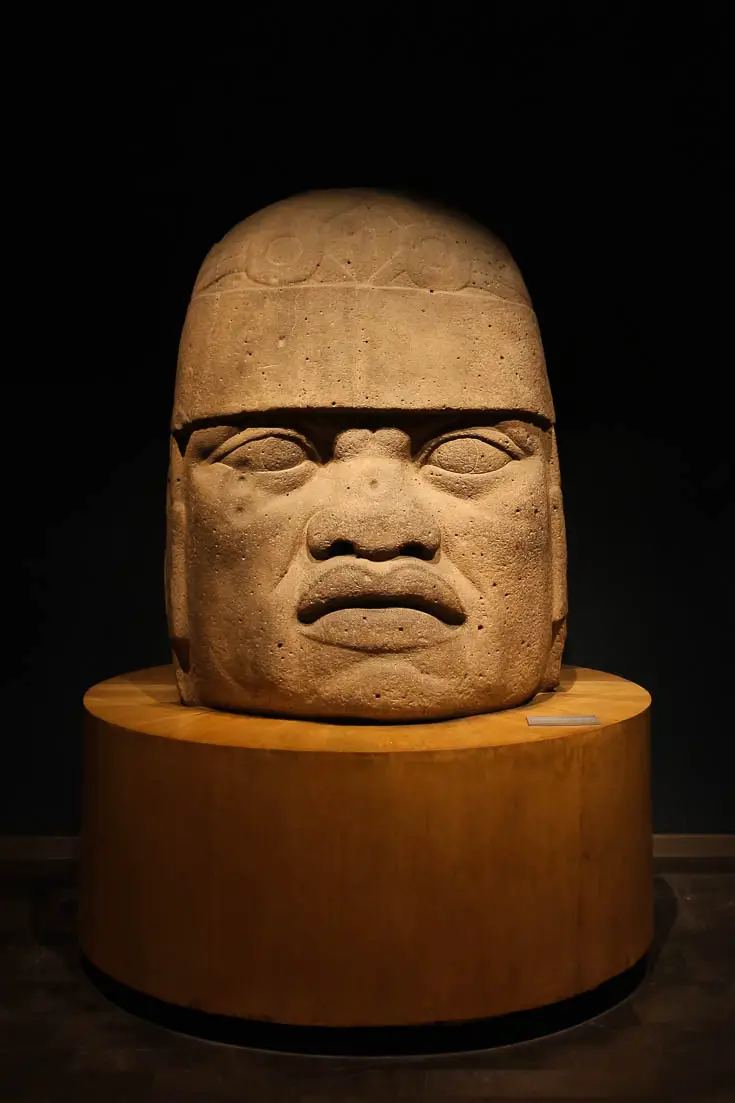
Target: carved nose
{"type": "Point", "coordinates": [367, 536]}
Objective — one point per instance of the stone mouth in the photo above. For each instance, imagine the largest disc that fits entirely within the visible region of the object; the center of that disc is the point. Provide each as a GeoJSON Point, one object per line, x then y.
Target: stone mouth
{"type": "Point", "coordinates": [319, 609]}
{"type": "Point", "coordinates": [353, 587]}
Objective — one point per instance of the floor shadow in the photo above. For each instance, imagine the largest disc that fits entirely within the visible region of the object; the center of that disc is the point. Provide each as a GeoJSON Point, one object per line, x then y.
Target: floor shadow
{"type": "Point", "coordinates": [52, 896]}
{"type": "Point", "coordinates": [437, 1038]}
{"type": "Point", "coordinates": [665, 910]}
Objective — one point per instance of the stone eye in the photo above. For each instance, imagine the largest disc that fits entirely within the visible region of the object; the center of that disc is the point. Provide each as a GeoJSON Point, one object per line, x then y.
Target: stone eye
{"type": "Point", "coordinates": [271, 453]}
{"type": "Point", "coordinates": [467, 456]}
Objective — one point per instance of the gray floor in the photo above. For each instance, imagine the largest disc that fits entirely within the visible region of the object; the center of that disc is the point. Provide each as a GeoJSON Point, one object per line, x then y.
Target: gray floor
{"type": "Point", "coordinates": [63, 1041]}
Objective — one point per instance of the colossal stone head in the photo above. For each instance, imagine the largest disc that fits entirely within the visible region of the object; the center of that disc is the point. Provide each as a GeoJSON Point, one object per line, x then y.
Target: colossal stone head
{"type": "Point", "coordinates": [365, 516]}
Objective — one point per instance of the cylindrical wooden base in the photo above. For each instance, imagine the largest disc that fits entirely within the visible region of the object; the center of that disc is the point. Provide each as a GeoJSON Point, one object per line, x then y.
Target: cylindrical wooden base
{"type": "Point", "coordinates": [365, 875]}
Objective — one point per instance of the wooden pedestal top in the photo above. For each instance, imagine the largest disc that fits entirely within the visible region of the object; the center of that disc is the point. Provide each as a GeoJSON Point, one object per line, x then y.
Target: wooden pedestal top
{"type": "Point", "coordinates": [147, 701]}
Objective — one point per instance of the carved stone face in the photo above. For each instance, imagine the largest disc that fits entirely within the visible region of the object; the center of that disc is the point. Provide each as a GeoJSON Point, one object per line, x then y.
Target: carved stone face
{"type": "Point", "coordinates": [365, 517]}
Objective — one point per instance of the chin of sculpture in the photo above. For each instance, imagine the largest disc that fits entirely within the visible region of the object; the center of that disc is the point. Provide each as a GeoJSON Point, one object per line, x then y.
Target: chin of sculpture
{"type": "Point", "coordinates": [366, 793]}
{"type": "Point", "coordinates": [365, 515]}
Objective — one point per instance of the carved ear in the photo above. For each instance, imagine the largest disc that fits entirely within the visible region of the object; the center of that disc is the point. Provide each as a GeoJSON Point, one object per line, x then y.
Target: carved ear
{"type": "Point", "coordinates": [175, 567]}
{"type": "Point", "coordinates": [558, 571]}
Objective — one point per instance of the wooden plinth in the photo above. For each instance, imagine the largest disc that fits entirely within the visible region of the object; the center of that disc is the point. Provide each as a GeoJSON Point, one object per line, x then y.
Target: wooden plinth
{"type": "Point", "coordinates": [342, 875]}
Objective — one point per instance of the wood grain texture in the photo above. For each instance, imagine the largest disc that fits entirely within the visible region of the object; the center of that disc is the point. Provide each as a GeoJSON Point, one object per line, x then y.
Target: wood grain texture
{"type": "Point", "coordinates": [329, 874]}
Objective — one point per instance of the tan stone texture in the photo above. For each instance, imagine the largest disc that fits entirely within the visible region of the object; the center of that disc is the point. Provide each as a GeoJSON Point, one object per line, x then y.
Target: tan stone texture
{"type": "Point", "coordinates": [365, 515]}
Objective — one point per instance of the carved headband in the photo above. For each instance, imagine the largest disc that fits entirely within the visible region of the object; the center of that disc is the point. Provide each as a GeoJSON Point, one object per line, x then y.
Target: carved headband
{"type": "Point", "coordinates": [362, 246]}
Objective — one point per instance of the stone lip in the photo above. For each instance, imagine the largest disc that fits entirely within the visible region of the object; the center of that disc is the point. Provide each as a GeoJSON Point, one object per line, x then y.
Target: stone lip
{"type": "Point", "coordinates": [361, 608]}
{"type": "Point", "coordinates": [385, 630]}
{"type": "Point", "coordinates": [410, 587]}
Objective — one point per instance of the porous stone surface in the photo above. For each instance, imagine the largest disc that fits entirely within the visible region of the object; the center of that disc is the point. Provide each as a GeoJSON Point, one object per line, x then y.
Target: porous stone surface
{"type": "Point", "coordinates": [364, 512]}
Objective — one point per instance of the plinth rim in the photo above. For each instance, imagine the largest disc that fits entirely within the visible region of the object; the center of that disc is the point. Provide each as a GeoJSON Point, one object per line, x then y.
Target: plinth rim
{"type": "Point", "coordinates": [146, 701]}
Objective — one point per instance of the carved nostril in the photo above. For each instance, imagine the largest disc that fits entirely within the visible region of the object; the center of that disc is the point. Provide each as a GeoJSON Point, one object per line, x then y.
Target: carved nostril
{"type": "Point", "coordinates": [413, 548]}
{"type": "Point", "coordinates": [418, 551]}
{"type": "Point", "coordinates": [337, 547]}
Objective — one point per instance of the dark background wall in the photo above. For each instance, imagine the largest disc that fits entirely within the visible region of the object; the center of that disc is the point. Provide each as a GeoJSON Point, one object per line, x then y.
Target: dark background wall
{"type": "Point", "coordinates": [591, 140]}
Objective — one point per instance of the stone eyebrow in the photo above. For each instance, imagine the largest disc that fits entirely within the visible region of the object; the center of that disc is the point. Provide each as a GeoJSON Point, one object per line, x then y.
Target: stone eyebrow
{"type": "Point", "coordinates": [322, 418]}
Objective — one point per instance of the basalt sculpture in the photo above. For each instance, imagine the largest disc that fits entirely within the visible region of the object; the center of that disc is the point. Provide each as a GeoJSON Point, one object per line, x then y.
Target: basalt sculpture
{"type": "Point", "coordinates": [365, 516]}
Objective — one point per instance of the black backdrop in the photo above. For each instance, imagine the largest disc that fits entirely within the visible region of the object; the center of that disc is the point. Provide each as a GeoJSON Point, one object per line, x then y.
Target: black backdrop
{"type": "Point", "coordinates": [592, 140]}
